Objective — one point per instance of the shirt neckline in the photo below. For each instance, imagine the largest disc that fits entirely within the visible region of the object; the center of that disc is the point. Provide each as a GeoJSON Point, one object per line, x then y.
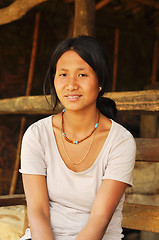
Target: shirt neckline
{"type": "Point", "coordinates": [96, 160]}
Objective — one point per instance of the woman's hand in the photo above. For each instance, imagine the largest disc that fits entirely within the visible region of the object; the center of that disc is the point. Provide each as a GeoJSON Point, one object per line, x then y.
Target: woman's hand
{"type": "Point", "coordinates": [38, 206]}
{"type": "Point", "coordinates": [106, 201]}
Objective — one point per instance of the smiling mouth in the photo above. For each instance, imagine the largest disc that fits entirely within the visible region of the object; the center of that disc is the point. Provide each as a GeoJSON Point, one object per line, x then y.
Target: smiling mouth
{"type": "Point", "coordinates": [73, 97]}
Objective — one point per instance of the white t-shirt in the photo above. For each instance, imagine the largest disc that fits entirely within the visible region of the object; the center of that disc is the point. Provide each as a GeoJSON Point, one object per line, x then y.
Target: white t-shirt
{"type": "Point", "coordinates": [71, 194]}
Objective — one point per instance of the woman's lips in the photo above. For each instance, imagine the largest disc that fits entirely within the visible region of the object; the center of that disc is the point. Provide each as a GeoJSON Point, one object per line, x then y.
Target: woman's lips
{"type": "Point", "coordinates": [73, 97]}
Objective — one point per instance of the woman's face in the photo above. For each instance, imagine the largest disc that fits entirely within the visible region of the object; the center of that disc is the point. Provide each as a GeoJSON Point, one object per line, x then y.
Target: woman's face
{"type": "Point", "coordinates": [75, 82]}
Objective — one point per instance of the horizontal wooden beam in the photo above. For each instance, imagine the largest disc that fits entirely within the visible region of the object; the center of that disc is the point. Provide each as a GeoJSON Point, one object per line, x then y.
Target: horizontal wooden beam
{"type": "Point", "coordinates": [17, 10]}
{"type": "Point", "coordinates": [11, 200]}
{"type": "Point", "coordinates": [147, 149]}
{"type": "Point", "coordinates": [141, 217]}
{"type": "Point", "coordinates": [27, 105]}
{"type": "Point", "coordinates": [146, 101]}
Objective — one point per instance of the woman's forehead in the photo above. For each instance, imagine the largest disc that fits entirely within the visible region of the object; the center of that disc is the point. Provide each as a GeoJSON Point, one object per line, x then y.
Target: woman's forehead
{"type": "Point", "coordinates": [71, 59]}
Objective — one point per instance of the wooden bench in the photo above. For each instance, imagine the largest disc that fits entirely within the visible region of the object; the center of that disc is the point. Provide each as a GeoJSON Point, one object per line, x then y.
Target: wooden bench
{"type": "Point", "coordinates": [143, 217]}
{"type": "Point", "coordinates": [135, 216]}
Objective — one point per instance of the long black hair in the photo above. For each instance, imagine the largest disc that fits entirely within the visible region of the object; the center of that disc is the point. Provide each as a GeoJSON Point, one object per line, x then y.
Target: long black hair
{"type": "Point", "coordinates": [95, 55]}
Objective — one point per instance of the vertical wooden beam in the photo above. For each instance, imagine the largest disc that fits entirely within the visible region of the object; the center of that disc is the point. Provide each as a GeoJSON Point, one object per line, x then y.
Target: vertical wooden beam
{"type": "Point", "coordinates": [33, 54]}
{"type": "Point", "coordinates": [116, 47]}
{"type": "Point", "coordinates": [154, 63]}
{"type": "Point", "coordinates": [149, 123]}
{"type": "Point", "coordinates": [84, 19]}
{"type": "Point", "coordinates": [27, 93]}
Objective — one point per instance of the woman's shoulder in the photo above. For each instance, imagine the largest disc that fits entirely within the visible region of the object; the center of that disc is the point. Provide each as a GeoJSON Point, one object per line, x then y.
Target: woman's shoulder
{"type": "Point", "coordinates": [120, 130]}
{"type": "Point", "coordinates": [117, 132]}
{"type": "Point", "coordinates": [113, 127]}
{"type": "Point", "coordinates": [121, 138]}
{"type": "Point", "coordinates": [39, 126]}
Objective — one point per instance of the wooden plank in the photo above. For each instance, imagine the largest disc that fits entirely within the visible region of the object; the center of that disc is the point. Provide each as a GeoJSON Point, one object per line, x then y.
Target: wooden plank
{"type": "Point", "coordinates": [10, 200]}
{"type": "Point", "coordinates": [145, 101]}
{"type": "Point", "coordinates": [141, 217]}
{"type": "Point", "coordinates": [147, 149]}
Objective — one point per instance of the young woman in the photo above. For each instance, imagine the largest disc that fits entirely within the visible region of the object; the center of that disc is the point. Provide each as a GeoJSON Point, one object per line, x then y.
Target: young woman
{"type": "Point", "coordinates": [77, 164]}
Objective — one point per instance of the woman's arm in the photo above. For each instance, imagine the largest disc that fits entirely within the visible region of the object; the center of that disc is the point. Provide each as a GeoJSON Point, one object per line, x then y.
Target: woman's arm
{"type": "Point", "coordinates": [106, 201]}
{"type": "Point", "coordinates": [38, 206]}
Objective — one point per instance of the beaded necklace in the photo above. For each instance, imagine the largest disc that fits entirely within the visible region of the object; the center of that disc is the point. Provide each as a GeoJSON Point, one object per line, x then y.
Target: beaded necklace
{"type": "Point", "coordinates": [84, 157]}
{"type": "Point", "coordinates": [81, 140]}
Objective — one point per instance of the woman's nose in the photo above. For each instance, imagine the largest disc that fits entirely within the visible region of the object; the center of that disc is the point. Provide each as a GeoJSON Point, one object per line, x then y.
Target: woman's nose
{"type": "Point", "coordinates": [72, 83]}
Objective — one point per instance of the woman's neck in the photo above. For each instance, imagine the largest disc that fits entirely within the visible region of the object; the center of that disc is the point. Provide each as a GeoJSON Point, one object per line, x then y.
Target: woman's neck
{"type": "Point", "coordinates": [79, 123]}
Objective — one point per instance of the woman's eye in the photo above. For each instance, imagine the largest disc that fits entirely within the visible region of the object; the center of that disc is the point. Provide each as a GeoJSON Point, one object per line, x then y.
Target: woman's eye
{"type": "Point", "coordinates": [62, 75]}
{"type": "Point", "coordinates": [82, 75]}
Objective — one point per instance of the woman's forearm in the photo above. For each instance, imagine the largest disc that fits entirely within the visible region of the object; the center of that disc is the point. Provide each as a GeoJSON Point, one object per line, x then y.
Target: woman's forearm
{"type": "Point", "coordinates": [40, 226]}
{"type": "Point", "coordinates": [94, 229]}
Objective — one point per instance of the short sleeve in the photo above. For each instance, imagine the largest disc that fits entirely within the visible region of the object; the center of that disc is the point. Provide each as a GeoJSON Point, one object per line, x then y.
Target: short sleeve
{"type": "Point", "coordinates": [121, 159]}
{"type": "Point", "coordinates": [32, 152]}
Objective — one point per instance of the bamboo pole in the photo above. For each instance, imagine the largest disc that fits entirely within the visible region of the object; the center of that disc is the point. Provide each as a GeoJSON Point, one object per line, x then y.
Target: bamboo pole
{"type": "Point", "coordinates": [27, 93]}
{"type": "Point", "coordinates": [116, 47]}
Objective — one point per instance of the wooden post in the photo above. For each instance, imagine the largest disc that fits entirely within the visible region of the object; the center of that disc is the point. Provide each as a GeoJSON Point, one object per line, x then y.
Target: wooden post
{"type": "Point", "coordinates": [116, 47]}
{"type": "Point", "coordinates": [155, 63]}
{"type": "Point", "coordinates": [28, 90]}
{"type": "Point", "coordinates": [149, 123]}
{"type": "Point", "coordinates": [84, 19]}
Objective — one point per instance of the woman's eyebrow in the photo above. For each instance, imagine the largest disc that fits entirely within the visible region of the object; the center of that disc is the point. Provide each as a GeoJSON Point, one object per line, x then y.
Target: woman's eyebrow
{"type": "Point", "coordinates": [79, 69]}
{"type": "Point", "coordinates": [63, 69]}
{"type": "Point", "coordinates": [83, 68]}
